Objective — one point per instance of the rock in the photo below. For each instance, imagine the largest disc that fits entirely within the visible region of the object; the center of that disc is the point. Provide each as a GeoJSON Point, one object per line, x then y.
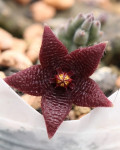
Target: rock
{"type": "Point", "coordinates": [19, 45]}
{"type": "Point", "coordinates": [2, 75]}
{"type": "Point", "coordinates": [84, 110]}
{"type": "Point", "coordinates": [15, 59]}
{"type": "Point", "coordinates": [23, 2]}
{"type": "Point", "coordinates": [81, 116]}
{"type": "Point", "coordinates": [79, 111]}
{"type": "Point", "coordinates": [34, 49]}
{"type": "Point", "coordinates": [13, 17]}
{"type": "Point", "coordinates": [105, 78]}
{"type": "Point", "coordinates": [33, 31]}
{"type": "Point", "coordinates": [34, 101]}
{"type": "Point", "coordinates": [6, 39]}
{"type": "Point", "coordinates": [117, 83]}
{"type": "Point", "coordinates": [42, 11]}
{"type": "Point", "coordinates": [61, 4]}
{"type": "Point", "coordinates": [72, 115]}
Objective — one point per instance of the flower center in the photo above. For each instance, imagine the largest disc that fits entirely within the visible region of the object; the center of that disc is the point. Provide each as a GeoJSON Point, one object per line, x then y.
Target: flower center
{"type": "Point", "coordinates": [63, 80]}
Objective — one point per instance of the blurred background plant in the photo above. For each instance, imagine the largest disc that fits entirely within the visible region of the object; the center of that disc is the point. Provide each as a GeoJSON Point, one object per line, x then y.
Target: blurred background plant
{"type": "Point", "coordinates": [77, 23]}
{"type": "Point", "coordinates": [81, 31]}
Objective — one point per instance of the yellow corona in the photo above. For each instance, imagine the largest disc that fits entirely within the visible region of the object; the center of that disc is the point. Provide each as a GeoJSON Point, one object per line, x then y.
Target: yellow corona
{"type": "Point", "coordinates": [63, 80]}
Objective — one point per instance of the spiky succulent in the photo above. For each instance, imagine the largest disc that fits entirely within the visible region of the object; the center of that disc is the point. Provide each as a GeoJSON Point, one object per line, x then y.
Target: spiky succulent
{"type": "Point", "coordinates": [81, 31]}
{"type": "Point", "coordinates": [62, 79]}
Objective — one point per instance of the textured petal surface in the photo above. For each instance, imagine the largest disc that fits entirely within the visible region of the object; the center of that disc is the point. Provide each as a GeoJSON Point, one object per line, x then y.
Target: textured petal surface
{"type": "Point", "coordinates": [55, 108]}
{"type": "Point", "coordinates": [52, 50]}
{"type": "Point", "coordinates": [84, 61]}
{"type": "Point", "coordinates": [29, 81]}
{"type": "Point", "coordinates": [88, 94]}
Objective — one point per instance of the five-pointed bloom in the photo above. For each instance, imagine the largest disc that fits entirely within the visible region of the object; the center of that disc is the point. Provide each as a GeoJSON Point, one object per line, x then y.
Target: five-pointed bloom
{"type": "Point", "coordinates": [61, 79]}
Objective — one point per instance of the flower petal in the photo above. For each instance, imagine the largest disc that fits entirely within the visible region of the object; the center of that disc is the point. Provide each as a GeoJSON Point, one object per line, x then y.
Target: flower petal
{"type": "Point", "coordinates": [55, 108]}
{"type": "Point", "coordinates": [28, 81]}
{"type": "Point", "coordinates": [84, 61]}
{"type": "Point", "coordinates": [88, 94]}
{"type": "Point", "coordinates": [52, 50]}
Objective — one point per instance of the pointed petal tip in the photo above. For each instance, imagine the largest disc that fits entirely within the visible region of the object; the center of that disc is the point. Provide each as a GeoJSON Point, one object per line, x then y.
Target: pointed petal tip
{"type": "Point", "coordinates": [45, 24]}
{"type": "Point", "coordinates": [27, 81]}
{"type": "Point", "coordinates": [4, 79]}
{"type": "Point", "coordinates": [112, 105]}
{"type": "Point", "coordinates": [46, 27]}
{"type": "Point", "coordinates": [108, 104]}
{"type": "Point", "coordinates": [105, 42]}
{"type": "Point", "coordinates": [102, 43]}
{"type": "Point", "coordinates": [50, 132]}
{"type": "Point", "coordinates": [101, 46]}
{"type": "Point", "coordinates": [7, 80]}
{"type": "Point", "coordinates": [50, 136]}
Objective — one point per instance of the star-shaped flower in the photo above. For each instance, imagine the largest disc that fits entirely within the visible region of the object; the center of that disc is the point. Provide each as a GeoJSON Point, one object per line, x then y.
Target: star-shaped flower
{"type": "Point", "coordinates": [62, 79]}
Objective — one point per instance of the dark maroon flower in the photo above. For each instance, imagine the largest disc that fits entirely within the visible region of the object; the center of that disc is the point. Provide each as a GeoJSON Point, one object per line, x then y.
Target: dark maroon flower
{"type": "Point", "coordinates": [62, 79]}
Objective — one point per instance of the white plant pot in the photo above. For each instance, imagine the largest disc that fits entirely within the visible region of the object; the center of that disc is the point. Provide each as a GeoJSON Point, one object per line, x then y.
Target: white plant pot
{"type": "Point", "coordinates": [23, 128]}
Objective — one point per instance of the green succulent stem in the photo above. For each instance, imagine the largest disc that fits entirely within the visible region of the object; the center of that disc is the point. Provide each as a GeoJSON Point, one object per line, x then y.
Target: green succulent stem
{"type": "Point", "coordinates": [81, 31]}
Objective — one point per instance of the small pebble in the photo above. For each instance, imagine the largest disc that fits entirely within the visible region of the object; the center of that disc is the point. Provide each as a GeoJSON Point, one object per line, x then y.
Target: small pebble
{"type": "Point", "coordinates": [42, 11]}
{"type": "Point", "coordinates": [34, 49]}
{"type": "Point", "coordinates": [6, 39]}
{"type": "Point", "coordinates": [2, 75]}
{"type": "Point", "coordinates": [117, 83]}
{"type": "Point", "coordinates": [81, 116]}
{"type": "Point", "coordinates": [72, 115]}
{"type": "Point", "coordinates": [33, 31]}
{"type": "Point", "coordinates": [15, 59]}
{"type": "Point", "coordinates": [34, 101]}
{"type": "Point", "coordinates": [105, 78]}
{"type": "Point", "coordinates": [84, 110]}
{"type": "Point", "coordinates": [23, 2]}
{"type": "Point", "coordinates": [79, 111]}
{"type": "Point", "coordinates": [19, 45]}
{"type": "Point", "coordinates": [61, 4]}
